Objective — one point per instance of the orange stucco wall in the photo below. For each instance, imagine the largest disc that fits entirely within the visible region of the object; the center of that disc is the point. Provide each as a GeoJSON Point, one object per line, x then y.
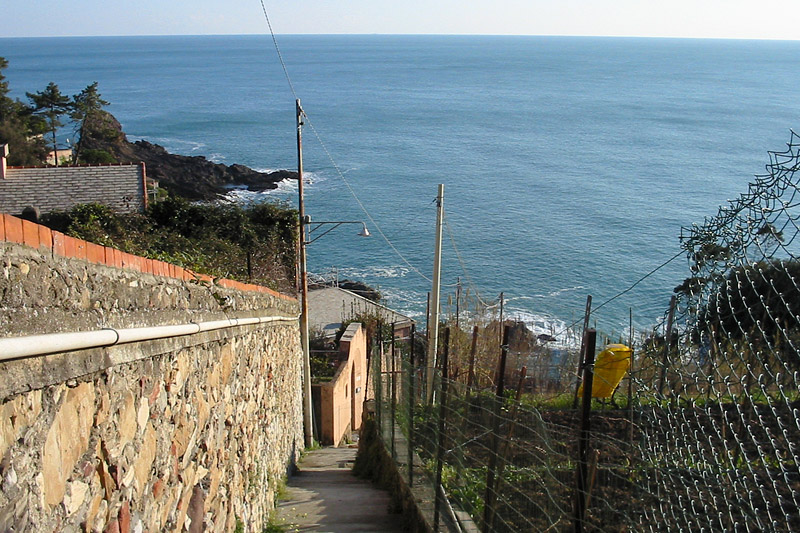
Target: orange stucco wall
{"type": "Point", "coordinates": [342, 399]}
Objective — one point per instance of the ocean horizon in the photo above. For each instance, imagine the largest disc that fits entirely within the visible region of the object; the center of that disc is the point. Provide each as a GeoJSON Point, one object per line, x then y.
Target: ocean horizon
{"type": "Point", "coordinates": [570, 164]}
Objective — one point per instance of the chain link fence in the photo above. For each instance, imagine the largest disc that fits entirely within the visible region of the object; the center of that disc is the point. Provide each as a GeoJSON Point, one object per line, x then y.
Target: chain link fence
{"type": "Point", "coordinates": [720, 423]}
{"type": "Point", "coordinates": [703, 434]}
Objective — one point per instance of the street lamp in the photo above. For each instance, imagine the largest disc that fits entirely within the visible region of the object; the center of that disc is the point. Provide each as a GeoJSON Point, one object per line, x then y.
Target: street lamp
{"type": "Point", "coordinates": [307, 227]}
{"type": "Point", "coordinates": [335, 224]}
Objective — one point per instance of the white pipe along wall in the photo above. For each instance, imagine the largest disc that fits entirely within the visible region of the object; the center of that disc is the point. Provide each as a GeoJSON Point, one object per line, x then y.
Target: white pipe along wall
{"type": "Point", "coordinates": [37, 345]}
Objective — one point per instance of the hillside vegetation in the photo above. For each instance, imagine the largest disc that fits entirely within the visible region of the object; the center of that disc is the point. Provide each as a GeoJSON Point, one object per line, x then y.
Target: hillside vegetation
{"type": "Point", "coordinates": [255, 244]}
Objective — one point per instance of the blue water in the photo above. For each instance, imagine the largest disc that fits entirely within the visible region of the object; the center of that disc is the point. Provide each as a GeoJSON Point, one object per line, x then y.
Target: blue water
{"type": "Point", "coordinates": [570, 164]}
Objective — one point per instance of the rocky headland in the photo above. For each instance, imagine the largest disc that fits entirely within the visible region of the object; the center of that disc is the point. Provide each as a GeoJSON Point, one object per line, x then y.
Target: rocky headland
{"type": "Point", "coordinates": [193, 177]}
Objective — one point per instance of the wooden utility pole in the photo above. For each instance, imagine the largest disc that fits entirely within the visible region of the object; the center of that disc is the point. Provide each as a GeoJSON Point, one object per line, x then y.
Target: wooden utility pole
{"type": "Point", "coordinates": [308, 418]}
{"type": "Point", "coordinates": [433, 336]}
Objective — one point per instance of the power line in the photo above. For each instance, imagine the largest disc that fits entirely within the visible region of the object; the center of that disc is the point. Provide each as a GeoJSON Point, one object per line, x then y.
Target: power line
{"type": "Point", "coordinates": [278, 50]}
{"type": "Point", "coordinates": [449, 230]}
{"type": "Point", "coordinates": [625, 291]}
{"type": "Point", "coordinates": [463, 266]}
{"type": "Point", "coordinates": [361, 205]}
{"type": "Point", "coordinates": [330, 157]}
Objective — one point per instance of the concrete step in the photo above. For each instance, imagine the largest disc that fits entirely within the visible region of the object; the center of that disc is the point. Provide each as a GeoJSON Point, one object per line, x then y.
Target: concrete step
{"type": "Point", "coordinates": [325, 496]}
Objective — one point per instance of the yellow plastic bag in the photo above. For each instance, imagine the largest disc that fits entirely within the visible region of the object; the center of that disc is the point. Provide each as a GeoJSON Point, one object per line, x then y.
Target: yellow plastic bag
{"type": "Point", "coordinates": [610, 367]}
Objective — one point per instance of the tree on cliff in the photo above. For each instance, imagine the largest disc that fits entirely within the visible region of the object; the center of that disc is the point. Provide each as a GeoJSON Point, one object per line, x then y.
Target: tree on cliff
{"type": "Point", "coordinates": [18, 127]}
{"type": "Point", "coordinates": [51, 105]}
{"type": "Point", "coordinates": [86, 107]}
{"type": "Point", "coordinates": [100, 139]}
{"type": "Point", "coordinates": [6, 103]}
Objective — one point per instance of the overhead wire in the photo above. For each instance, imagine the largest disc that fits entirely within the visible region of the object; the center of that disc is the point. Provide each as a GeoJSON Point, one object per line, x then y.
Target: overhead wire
{"type": "Point", "coordinates": [470, 282]}
{"type": "Point", "coordinates": [360, 204]}
{"type": "Point", "coordinates": [447, 225]}
{"type": "Point", "coordinates": [592, 311]}
{"type": "Point", "coordinates": [278, 50]}
{"type": "Point", "coordinates": [623, 292]}
{"type": "Point", "coordinates": [330, 157]}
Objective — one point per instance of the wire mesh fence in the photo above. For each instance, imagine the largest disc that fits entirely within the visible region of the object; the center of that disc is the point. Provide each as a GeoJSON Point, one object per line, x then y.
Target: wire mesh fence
{"type": "Point", "coordinates": [721, 421]}
{"type": "Point", "coordinates": [490, 459]}
{"type": "Point", "coordinates": [703, 434]}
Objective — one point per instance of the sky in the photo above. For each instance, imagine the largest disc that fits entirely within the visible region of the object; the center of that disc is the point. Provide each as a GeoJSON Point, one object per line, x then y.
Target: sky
{"type": "Point", "coordinates": [737, 19]}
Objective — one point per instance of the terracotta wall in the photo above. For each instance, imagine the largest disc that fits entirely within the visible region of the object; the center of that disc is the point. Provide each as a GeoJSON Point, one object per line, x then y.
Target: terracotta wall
{"type": "Point", "coordinates": [342, 398]}
{"type": "Point", "coordinates": [17, 230]}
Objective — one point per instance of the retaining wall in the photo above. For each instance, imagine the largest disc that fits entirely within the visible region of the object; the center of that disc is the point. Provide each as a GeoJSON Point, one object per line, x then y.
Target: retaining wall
{"type": "Point", "coordinates": [188, 433]}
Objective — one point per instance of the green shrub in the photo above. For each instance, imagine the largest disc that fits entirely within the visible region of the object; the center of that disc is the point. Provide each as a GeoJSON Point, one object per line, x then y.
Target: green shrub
{"type": "Point", "coordinates": [96, 157]}
{"type": "Point", "coordinates": [206, 238]}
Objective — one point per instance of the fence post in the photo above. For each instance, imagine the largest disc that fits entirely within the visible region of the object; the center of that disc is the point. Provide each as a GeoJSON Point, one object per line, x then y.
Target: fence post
{"type": "Point", "coordinates": [440, 447]}
{"type": "Point", "coordinates": [411, 409]}
{"type": "Point", "coordinates": [667, 346]}
{"type": "Point", "coordinates": [630, 377]}
{"type": "Point", "coordinates": [586, 315]}
{"type": "Point", "coordinates": [491, 471]}
{"type": "Point", "coordinates": [583, 442]}
{"type": "Point", "coordinates": [378, 378]}
{"type": "Point", "coordinates": [393, 392]}
{"type": "Point", "coordinates": [472, 351]}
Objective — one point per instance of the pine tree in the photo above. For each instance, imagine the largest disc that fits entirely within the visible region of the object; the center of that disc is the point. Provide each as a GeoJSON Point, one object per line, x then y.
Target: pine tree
{"type": "Point", "coordinates": [6, 103]}
{"type": "Point", "coordinates": [17, 127]}
{"type": "Point", "coordinates": [51, 105]}
{"type": "Point", "coordinates": [86, 105]}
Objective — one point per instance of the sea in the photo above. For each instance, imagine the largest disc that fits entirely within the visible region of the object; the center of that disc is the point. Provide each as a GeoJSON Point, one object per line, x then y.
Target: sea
{"type": "Point", "coordinates": [571, 165]}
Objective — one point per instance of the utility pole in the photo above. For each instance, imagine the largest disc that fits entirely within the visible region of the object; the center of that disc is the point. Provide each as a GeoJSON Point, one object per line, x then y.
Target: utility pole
{"type": "Point", "coordinates": [308, 428]}
{"type": "Point", "coordinates": [433, 336]}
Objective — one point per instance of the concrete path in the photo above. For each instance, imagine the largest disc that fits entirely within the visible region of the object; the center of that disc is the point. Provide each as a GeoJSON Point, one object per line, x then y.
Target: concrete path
{"type": "Point", "coordinates": [325, 496]}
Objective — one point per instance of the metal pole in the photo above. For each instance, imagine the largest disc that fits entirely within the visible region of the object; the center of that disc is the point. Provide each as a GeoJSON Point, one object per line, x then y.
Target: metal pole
{"type": "Point", "coordinates": [440, 448]}
{"type": "Point", "coordinates": [394, 392]}
{"type": "Point", "coordinates": [630, 370]}
{"type": "Point", "coordinates": [502, 318]}
{"type": "Point", "coordinates": [411, 409]}
{"type": "Point", "coordinates": [507, 442]}
{"type": "Point", "coordinates": [379, 379]}
{"type": "Point", "coordinates": [458, 300]}
{"type": "Point", "coordinates": [428, 317]}
{"type": "Point", "coordinates": [308, 426]}
{"type": "Point", "coordinates": [667, 346]}
{"type": "Point", "coordinates": [433, 338]}
{"type": "Point", "coordinates": [587, 314]}
{"type": "Point", "coordinates": [583, 441]}
{"type": "Point", "coordinates": [473, 350]}
{"type": "Point", "coordinates": [491, 471]}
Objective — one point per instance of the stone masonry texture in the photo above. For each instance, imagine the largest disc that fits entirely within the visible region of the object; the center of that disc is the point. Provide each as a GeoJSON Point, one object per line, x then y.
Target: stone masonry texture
{"type": "Point", "coordinates": [185, 434]}
{"type": "Point", "coordinates": [59, 188]}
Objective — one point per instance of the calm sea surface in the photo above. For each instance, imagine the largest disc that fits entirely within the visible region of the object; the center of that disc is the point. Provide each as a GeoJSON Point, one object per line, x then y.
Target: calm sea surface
{"type": "Point", "coordinates": [570, 164]}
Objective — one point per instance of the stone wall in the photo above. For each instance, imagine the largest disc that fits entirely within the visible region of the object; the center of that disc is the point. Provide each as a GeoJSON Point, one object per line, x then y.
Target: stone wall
{"type": "Point", "coordinates": [189, 433]}
{"type": "Point", "coordinates": [122, 187]}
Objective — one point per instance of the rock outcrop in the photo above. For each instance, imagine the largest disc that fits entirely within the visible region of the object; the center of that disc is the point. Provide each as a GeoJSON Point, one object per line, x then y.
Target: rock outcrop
{"type": "Point", "coordinates": [193, 177]}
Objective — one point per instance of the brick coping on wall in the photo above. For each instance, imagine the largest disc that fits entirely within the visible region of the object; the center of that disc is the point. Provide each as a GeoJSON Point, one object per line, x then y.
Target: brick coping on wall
{"type": "Point", "coordinates": [17, 230]}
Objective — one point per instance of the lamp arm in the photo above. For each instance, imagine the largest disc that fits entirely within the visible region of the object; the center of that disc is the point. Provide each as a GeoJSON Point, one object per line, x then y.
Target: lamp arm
{"type": "Point", "coordinates": [336, 225]}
